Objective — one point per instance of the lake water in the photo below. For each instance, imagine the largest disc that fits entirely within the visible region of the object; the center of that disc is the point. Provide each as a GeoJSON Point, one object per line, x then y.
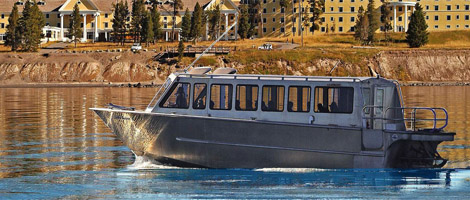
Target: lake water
{"type": "Point", "coordinates": [52, 146]}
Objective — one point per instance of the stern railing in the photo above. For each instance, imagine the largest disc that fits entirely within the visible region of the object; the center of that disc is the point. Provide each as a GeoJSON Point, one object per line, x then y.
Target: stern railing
{"type": "Point", "coordinates": [413, 119]}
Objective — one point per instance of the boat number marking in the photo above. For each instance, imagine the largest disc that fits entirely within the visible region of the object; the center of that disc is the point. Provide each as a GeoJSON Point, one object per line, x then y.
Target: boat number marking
{"type": "Point", "coordinates": [121, 118]}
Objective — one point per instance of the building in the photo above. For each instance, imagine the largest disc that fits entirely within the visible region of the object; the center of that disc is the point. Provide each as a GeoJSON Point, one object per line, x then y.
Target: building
{"type": "Point", "coordinates": [98, 14]}
{"type": "Point", "coordinates": [340, 16]}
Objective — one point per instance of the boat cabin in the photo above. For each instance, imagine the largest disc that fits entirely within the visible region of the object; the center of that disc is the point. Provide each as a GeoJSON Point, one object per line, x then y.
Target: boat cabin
{"type": "Point", "coordinates": [356, 102]}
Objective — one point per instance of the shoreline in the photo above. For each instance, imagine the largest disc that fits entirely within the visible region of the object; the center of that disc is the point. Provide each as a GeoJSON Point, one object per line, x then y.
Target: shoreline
{"type": "Point", "coordinates": [152, 84]}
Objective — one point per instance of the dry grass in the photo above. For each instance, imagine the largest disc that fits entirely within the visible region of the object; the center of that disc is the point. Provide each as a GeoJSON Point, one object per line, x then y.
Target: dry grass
{"type": "Point", "coordinates": [4, 48]}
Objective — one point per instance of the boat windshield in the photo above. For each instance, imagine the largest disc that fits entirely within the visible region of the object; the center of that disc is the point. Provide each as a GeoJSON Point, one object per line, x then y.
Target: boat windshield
{"type": "Point", "coordinates": [157, 96]}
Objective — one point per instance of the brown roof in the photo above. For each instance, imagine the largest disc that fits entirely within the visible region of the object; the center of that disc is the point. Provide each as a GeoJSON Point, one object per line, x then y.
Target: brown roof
{"type": "Point", "coordinates": [103, 5]}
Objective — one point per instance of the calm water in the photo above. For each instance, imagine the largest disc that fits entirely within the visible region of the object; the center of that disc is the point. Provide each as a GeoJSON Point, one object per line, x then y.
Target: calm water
{"type": "Point", "coordinates": [52, 146]}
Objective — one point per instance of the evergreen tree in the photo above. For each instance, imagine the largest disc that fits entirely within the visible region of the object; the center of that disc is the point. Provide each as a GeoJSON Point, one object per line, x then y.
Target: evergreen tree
{"type": "Point", "coordinates": [157, 26]}
{"type": "Point", "coordinates": [196, 22]}
{"type": "Point", "coordinates": [138, 15]}
{"type": "Point", "coordinates": [361, 28]}
{"type": "Point", "coordinates": [284, 4]}
{"type": "Point", "coordinates": [417, 34]}
{"type": "Point", "coordinates": [75, 29]}
{"type": "Point", "coordinates": [186, 26]}
{"type": "Point", "coordinates": [121, 13]}
{"type": "Point", "coordinates": [180, 50]}
{"type": "Point", "coordinates": [177, 5]}
{"type": "Point", "coordinates": [214, 22]}
{"type": "Point", "coordinates": [372, 16]}
{"type": "Point", "coordinates": [147, 29]}
{"type": "Point", "coordinates": [13, 36]}
{"type": "Point", "coordinates": [317, 7]}
{"type": "Point", "coordinates": [33, 21]}
{"type": "Point", "coordinates": [243, 22]}
{"type": "Point", "coordinates": [385, 19]}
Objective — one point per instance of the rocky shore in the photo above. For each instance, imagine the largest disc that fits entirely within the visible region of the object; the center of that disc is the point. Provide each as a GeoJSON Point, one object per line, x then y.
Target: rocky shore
{"type": "Point", "coordinates": [127, 69]}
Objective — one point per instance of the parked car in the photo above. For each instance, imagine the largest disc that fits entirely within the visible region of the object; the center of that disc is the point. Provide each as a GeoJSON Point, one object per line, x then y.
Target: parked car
{"type": "Point", "coordinates": [136, 47]}
{"type": "Point", "coordinates": [266, 46]}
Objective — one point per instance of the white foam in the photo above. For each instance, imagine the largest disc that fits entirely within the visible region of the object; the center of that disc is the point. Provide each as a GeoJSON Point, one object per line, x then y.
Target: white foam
{"type": "Point", "coordinates": [292, 170]}
{"type": "Point", "coordinates": [144, 162]}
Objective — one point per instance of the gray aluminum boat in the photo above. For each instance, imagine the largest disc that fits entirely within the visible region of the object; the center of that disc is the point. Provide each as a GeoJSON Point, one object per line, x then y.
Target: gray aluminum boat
{"type": "Point", "coordinates": [228, 120]}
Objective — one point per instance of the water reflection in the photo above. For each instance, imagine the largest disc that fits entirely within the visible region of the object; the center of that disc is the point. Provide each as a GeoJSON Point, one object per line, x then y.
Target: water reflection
{"type": "Point", "coordinates": [52, 146]}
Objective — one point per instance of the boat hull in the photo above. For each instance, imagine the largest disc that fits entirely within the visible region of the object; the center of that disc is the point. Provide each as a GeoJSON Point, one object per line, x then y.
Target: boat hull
{"type": "Point", "coordinates": [195, 141]}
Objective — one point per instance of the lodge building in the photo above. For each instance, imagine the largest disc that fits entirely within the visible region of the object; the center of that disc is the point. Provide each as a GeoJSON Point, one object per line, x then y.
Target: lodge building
{"type": "Point", "coordinates": [339, 16]}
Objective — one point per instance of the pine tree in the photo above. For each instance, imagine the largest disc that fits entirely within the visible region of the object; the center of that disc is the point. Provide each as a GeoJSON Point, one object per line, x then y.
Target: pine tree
{"type": "Point", "coordinates": [214, 22]}
{"type": "Point", "coordinates": [186, 26]}
{"type": "Point", "coordinates": [361, 28]}
{"type": "Point", "coordinates": [180, 50]}
{"type": "Point", "coordinates": [147, 29]}
{"type": "Point", "coordinates": [417, 34]}
{"type": "Point", "coordinates": [138, 15]}
{"type": "Point", "coordinates": [385, 18]}
{"type": "Point", "coordinates": [22, 24]}
{"type": "Point", "coordinates": [33, 21]}
{"type": "Point", "coordinates": [13, 36]}
{"type": "Point", "coordinates": [372, 16]}
{"type": "Point", "coordinates": [121, 13]}
{"type": "Point", "coordinates": [317, 6]}
{"type": "Point", "coordinates": [157, 27]}
{"type": "Point", "coordinates": [177, 5]}
{"type": "Point", "coordinates": [75, 29]}
{"type": "Point", "coordinates": [196, 22]}
{"type": "Point", "coordinates": [243, 22]}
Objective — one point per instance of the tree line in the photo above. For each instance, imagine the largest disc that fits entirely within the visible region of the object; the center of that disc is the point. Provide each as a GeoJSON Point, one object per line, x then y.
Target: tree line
{"type": "Point", "coordinates": [24, 33]}
{"type": "Point", "coordinates": [368, 21]}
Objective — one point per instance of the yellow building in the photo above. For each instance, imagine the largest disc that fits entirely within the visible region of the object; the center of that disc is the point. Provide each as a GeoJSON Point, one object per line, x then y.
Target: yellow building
{"type": "Point", "coordinates": [98, 14]}
{"type": "Point", "coordinates": [340, 16]}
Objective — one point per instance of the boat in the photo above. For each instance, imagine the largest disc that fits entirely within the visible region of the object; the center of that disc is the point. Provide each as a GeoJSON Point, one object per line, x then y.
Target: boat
{"type": "Point", "coordinates": [220, 119]}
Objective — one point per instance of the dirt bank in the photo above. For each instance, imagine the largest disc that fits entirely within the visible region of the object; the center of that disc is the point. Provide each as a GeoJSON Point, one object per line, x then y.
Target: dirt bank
{"type": "Point", "coordinates": [125, 67]}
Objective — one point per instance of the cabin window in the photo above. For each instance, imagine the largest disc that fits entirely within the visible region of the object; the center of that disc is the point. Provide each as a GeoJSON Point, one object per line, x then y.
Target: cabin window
{"type": "Point", "coordinates": [247, 98]}
{"type": "Point", "coordinates": [334, 99]}
{"type": "Point", "coordinates": [299, 99]}
{"type": "Point", "coordinates": [273, 98]}
{"type": "Point", "coordinates": [200, 95]}
{"type": "Point", "coordinates": [178, 97]}
{"type": "Point", "coordinates": [221, 97]}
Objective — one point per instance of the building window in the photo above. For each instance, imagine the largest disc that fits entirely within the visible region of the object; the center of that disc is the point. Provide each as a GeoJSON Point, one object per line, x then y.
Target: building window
{"type": "Point", "coordinates": [448, 26]}
{"type": "Point", "coordinates": [449, 7]}
{"type": "Point", "coordinates": [106, 24]}
{"type": "Point", "coordinates": [340, 19]}
{"type": "Point", "coordinates": [58, 24]}
{"type": "Point", "coordinates": [92, 24]}
{"type": "Point", "coordinates": [58, 15]}
{"type": "Point", "coordinates": [221, 97]}
{"type": "Point", "coordinates": [400, 9]}
{"type": "Point", "coordinates": [274, 19]}
{"type": "Point", "coordinates": [352, 29]}
{"type": "Point", "coordinates": [2, 25]}
{"type": "Point", "coordinates": [340, 29]}
{"type": "Point", "coordinates": [3, 16]}
{"type": "Point", "coordinates": [47, 24]}
{"type": "Point", "coordinates": [282, 30]}
{"type": "Point", "coordinates": [274, 10]}
{"type": "Point", "coordinates": [106, 15]}
{"type": "Point", "coordinates": [47, 16]}
{"type": "Point", "coordinates": [436, 17]}
{"type": "Point", "coordinates": [264, 10]}
{"type": "Point", "coordinates": [332, 19]}
{"type": "Point", "coordinates": [467, 7]}
{"type": "Point", "coordinates": [400, 19]}
{"type": "Point", "coordinates": [427, 7]}
{"type": "Point", "coordinates": [467, 17]}
{"type": "Point", "coordinates": [427, 17]}
{"type": "Point", "coordinates": [282, 19]}
{"type": "Point", "coordinates": [353, 9]}
{"type": "Point", "coordinates": [457, 17]}
{"type": "Point", "coordinates": [457, 7]}
{"type": "Point", "coordinates": [332, 9]}
{"type": "Point", "coordinates": [274, 29]}
{"type": "Point", "coordinates": [436, 7]}
{"type": "Point", "coordinates": [353, 19]}
{"type": "Point", "coordinates": [323, 29]}
{"type": "Point", "coordinates": [467, 26]}
{"type": "Point", "coordinates": [165, 26]}
{"type": "Point", "coordinates": [449, 17]}
{"type": "Point", "coordinates": [436, 27]}
{"type": "Point", "coordinates": [264, 20]}
{"type": "Point", "coordinates": [294, 29]}
{"type": "Point", "coordinates": [282, 10]}
{"type": "Point", "coordinates": [264, 30]}
{"type": "Point", "coordinates": [340, 9]}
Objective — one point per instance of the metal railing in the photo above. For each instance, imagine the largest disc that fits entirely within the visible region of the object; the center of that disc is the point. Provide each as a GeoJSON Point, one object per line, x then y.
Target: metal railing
{"type": "Point", "coordinates": [277, 77]}
{"type": "Point", "coordinates": [413, 119]}
{"type": "Point", "coordinates": [158, 94]}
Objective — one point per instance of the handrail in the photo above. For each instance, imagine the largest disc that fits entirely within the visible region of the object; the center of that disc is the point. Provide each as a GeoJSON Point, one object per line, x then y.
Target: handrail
{"type": "Point", "coordinates": [413, 118]}
{"type": "Point", "coordinates": [283, 77]}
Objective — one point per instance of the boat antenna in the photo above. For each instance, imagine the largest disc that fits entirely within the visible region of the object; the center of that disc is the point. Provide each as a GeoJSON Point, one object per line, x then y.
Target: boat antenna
{"type": "Point", "coordinates": [208, 48]}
